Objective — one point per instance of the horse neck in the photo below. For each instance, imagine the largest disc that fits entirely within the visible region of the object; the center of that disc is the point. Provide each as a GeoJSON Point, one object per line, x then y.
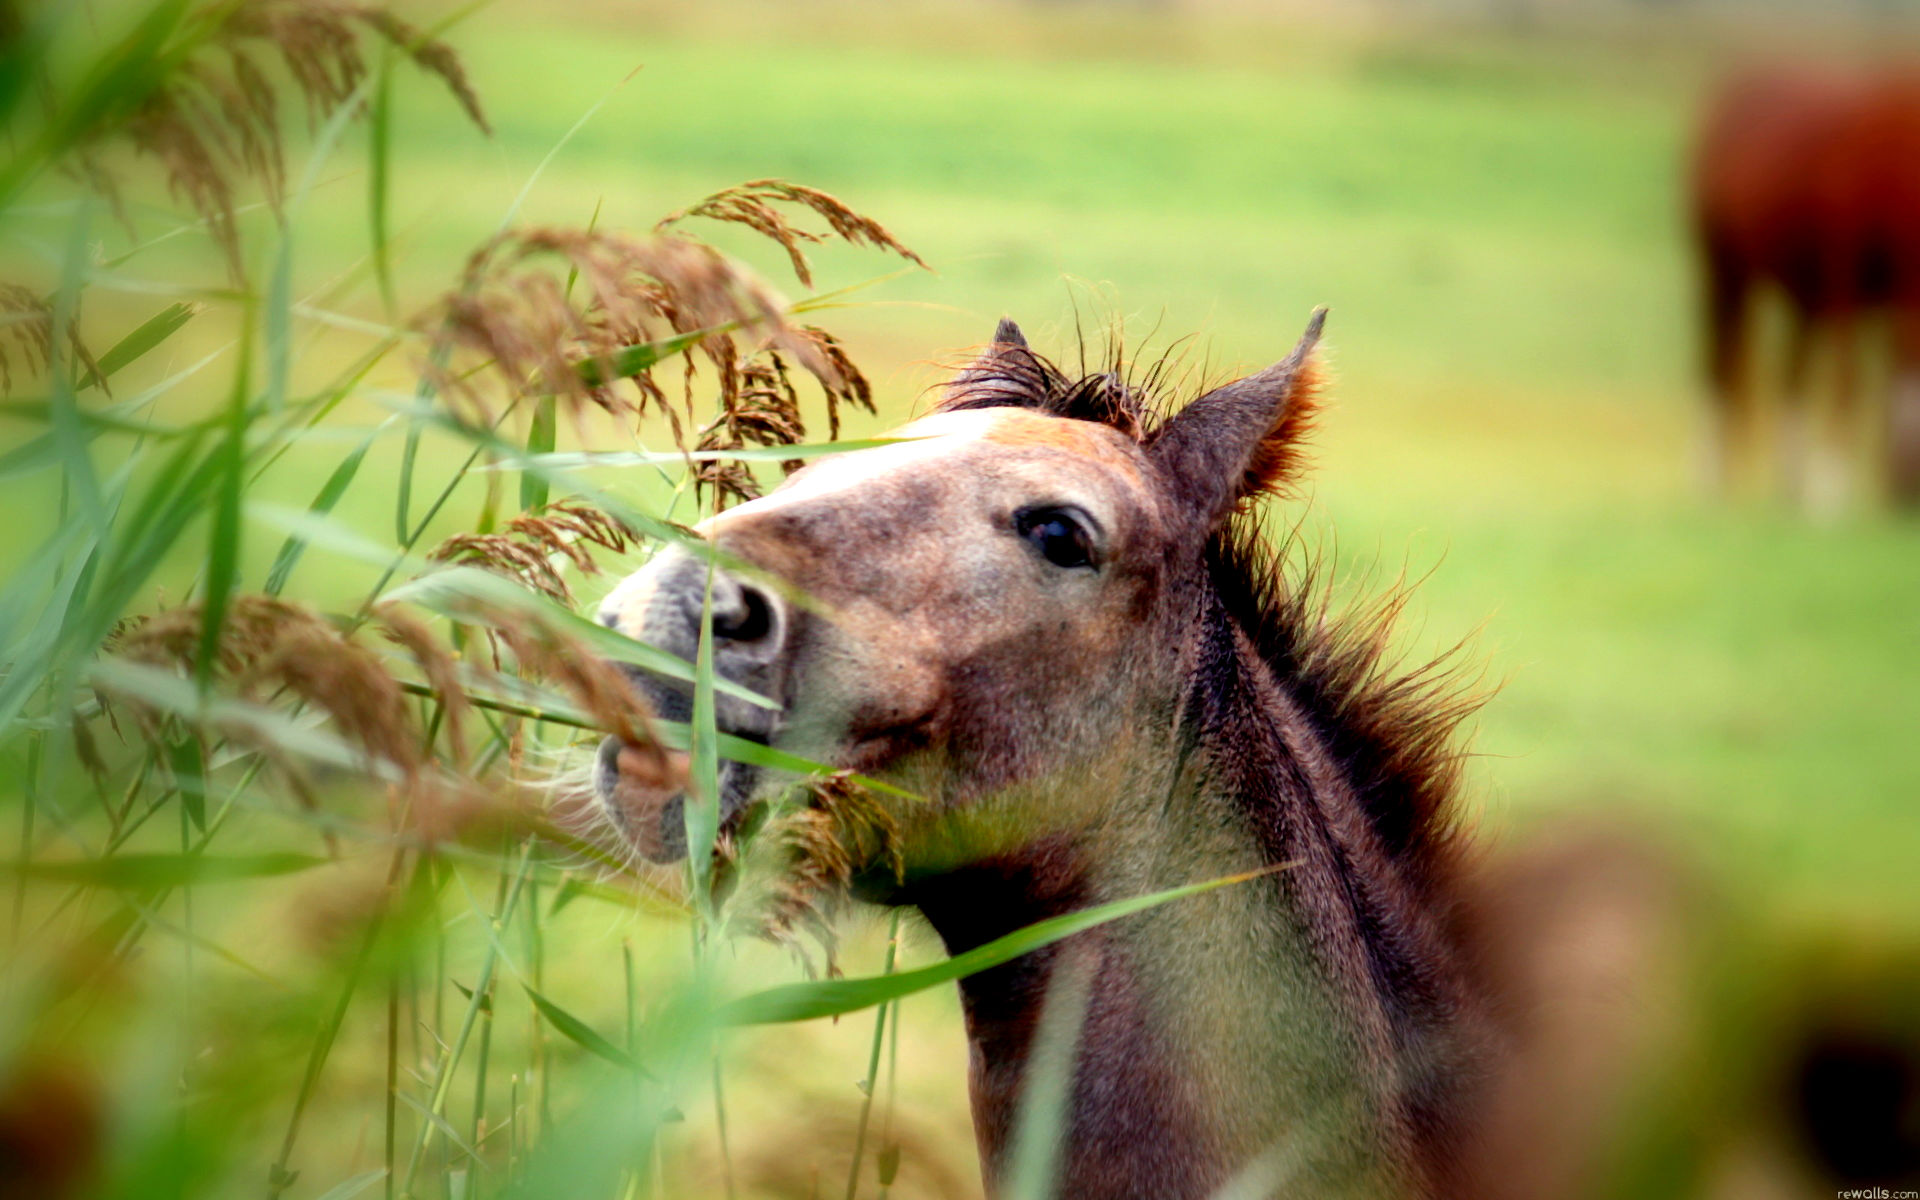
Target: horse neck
{"type": "Point", "coordinates": [1297, 1020]}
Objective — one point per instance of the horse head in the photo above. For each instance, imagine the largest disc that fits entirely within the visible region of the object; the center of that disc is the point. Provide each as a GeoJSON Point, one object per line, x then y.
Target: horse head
{"type": "Point", "coordinates": [995, 596]}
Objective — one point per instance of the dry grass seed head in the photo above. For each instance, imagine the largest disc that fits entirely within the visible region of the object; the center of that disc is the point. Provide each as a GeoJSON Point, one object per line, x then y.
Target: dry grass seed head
{"type": "Point", "coordinates": [852, 388]}
{"type": "Point", "coordinates": [597, 685]}
{"type": "Point", "coordinates": [727, 481]}
{"type": "Point", "coordinates": [431, 55]}
{"type": "Point", "coordinates": [532, 540]}
{"type": "Point", "coordinates": [523, 328]}
{"type": "Point", "coordinates": [28, 324]}
{"type": "Point", "coordinates": [569, 526]}
{"type": "Point", "coordinates": [26, 320]}
{"type": "Point", "coordinates": [761, 406]}
{"type": "Point", "coordinates": [819, 844]}
{"type": "Point", "coordinates": [216, 117]}
{"type": "Point", "coordinates": [508, 556]}
{"type": "Point", "coordinates": [271, 647]}
{"type": "Point", "coordinates": [518, 318]}
{"type": "Point", "coordinates": [438, 664]}
{"type": "Point", "coordinates": [268, 645]}
{"type": "Point", "coordinates": [752, 204]}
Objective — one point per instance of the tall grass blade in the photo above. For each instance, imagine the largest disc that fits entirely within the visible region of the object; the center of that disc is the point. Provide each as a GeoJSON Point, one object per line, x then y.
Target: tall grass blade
{"type": "Point", "coordinates": [435, 1109]}
{"type": "Point", "coordinates": [146, 337]}
{"type": "Point", "coordinates": [379, 177]}
{"type": "Point", "coordinates": [836, 997]}
{"type": "Point", "coordinates": [78, 473]}
{"type": "Point", "coordinates": [279, 314]}
{"type": "Point", "coordinates": [114, 85]}
{"type": "Point", "coordinates": [470, 593]}
{"type": "Point", "coordinates": [24, 49]}
{"type": "Point", "coordinates": [247, 722]}
{"type": "Point", "coordinates": [186, 758]}
{"type": "Point", "coordinates": [702, 808]}
{"type": "Point", "coordinates": [140, 872]}
{"type": "Point", "coordinates": [635, 458]}
{"type": "Point", "coordinates": [487, 442]}
{"type": "Point", "coordinates": [354, 1186]}
{"type": "Point", "coordinates": [553, 152]}
{"type": "Point", "coordinates": [438, 1122]}
{"type": "Point", "coordinates": [403, 495]}
{"type": "Point", "coordinates": [641, 356]}
{"type": "Point", "coordinates": [223, 535]}
{"type": "Point", "coordinates": [868, 1086]}
{"type": "Point", "coordinates": [329, 495]}
{"type": "Point", "coordinates": [580, 1033]}
{"type": "Point", "coordinates": [677, 735]}
{"type": "Point", "coordinates": [278, 1176]}
{"type": "Point", "coordinates": [1046, 1087]}
{"type": "Point", "coordinates": [1275, 1172]}
{"type": "Point", "coordinates": [540, 439]}
{"type": "Point", "coordinates": [46, 449]}
{"type": "Point", "coordinates": [311, 528]}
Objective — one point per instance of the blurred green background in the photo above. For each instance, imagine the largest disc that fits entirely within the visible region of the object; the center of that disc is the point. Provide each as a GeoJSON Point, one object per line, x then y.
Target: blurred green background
{"type": "Point", "coordinates": [1495, 218]}
{"type": "Point", "coordinates": [1489, 201]}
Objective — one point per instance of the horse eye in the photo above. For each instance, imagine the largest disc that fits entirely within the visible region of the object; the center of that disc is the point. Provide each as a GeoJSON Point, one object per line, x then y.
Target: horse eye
{"type": "Point", "coordinates": [1057, 534]}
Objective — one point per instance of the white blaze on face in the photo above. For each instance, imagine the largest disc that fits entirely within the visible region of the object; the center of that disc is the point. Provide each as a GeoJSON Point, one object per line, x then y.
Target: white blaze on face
{"type": "Point", "coordinates": [922, 443]}
{"type": "Point", "coordinates": [841, 478]}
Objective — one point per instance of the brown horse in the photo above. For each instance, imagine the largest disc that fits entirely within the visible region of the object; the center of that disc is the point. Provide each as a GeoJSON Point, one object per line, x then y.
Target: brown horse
{"type": "Point", "coordinates": [1054, 619]}
{"type": "Point", "coordinates": [1809, 184]}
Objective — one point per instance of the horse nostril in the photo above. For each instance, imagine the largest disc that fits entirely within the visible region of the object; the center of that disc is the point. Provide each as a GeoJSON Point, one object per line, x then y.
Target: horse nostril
{"type": "Point", "coordinates": [751, 621]}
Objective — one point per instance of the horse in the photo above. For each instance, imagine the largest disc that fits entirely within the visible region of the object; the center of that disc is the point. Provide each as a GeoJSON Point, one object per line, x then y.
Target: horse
{"type": "Point", "coordinates": [1051, 614]}
{"type": "Point", "coordinates": [1808, 183]}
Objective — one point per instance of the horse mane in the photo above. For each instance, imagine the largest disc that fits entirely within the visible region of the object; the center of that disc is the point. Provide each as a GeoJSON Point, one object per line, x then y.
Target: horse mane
{"type": "Point", "coordinates": [1392, 726]}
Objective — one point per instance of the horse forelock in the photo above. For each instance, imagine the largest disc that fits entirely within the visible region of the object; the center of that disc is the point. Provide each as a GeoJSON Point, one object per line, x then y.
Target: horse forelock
{"type": "Point", "coordinates": [1013, 376]}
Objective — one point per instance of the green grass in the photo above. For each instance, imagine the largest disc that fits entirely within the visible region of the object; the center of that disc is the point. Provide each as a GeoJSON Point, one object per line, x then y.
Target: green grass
{"type": "Point", "coordinates": [1495, 224]}
{"type": "Point", "coordinates": [1497, 229]}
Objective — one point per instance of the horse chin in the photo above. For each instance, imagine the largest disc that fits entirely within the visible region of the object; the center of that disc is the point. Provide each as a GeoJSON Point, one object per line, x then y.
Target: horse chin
{"type": "Point", "coordinates": [648, 805]}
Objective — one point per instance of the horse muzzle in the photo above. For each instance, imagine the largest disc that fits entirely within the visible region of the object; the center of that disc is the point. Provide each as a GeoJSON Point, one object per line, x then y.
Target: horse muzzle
{"type": "Point", "coordinates": [665, 605]}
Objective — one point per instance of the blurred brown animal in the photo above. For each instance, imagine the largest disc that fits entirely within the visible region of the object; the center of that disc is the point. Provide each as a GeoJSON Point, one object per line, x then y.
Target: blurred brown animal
{"type": "Point", "coordinates": [1664, 1039]}
{"type": "Point", "coordinates": [1808, 183]}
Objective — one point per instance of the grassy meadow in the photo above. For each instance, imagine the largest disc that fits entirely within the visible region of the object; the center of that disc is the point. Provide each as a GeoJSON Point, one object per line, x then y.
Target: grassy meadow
{"type": "Point", "coordinates": [1495, 223]}
{"type": "Point", "coordinates": [1496, 226]}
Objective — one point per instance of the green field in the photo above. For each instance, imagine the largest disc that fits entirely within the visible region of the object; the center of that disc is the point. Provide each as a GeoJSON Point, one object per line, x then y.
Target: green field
{"type": "Point", "coordinates": [1495, 223]}
{"type": "Point", "coordinates": [1496, 227]}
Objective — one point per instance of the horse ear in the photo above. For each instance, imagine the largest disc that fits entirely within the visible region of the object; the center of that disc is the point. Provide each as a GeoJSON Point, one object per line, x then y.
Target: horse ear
{"type": "Point", "coordinates": [1005, 374]}
{"type": "Point", "coordinates": [1243, 440]}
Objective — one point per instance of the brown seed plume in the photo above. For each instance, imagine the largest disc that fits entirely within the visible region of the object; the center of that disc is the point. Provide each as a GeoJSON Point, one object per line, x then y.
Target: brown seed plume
{"type": "Point", "coordinates": [760, 406]}
{"type": "Point", "coordinates": [817, 842]}
{"type": "Point", "coordinates": [26, 321]}
{"type": "Point", "coordinates": [516, 316]}
{"type": "Point", "coordinates": [519, 327]}
{"type": "Point", "coordinates": [441, 669]}
{"type": "Point", "coordinates": [270, 648]}
{"type": "Point", "coordinates": [28, 325]}
{"type": "Point", "coordinates": [752, 204]}
{"type": "Point", "coordinates": [596, 685]}
{"type": "Point", "coordinates": [215, 117]}
{"type": "Point", "coordinates": [533, 540]}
